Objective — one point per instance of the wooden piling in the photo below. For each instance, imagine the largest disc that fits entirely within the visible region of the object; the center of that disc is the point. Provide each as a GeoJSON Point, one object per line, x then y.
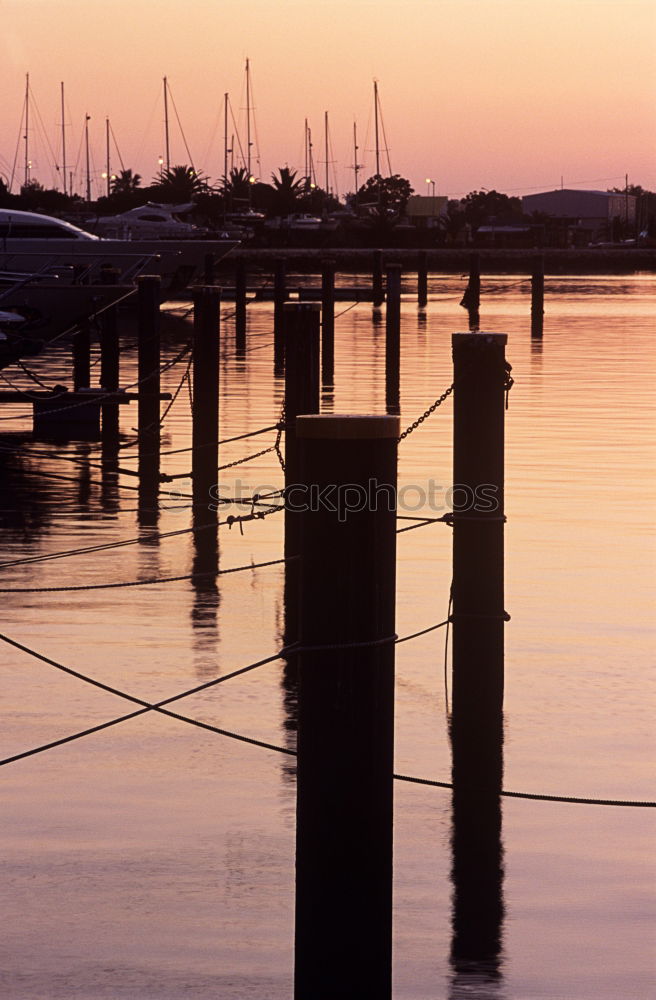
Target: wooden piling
{"type": "Point", "coordinates": [148, 365]}
{"type": "Point", "coordinates": [327, 323]}
{"type": "Point", "coordinates": [537, 296]}
{"type": "Point", "coordinates": [209, 269]}
{"type": "Point", "coordinates": [393, 338]}
{"type": "Point", "coordinates": [478, 555]}
{"type": "Point", "coordinates": [81, 347]}
{"type": "Point", "coordinates": [279, 297]}
{"type": "Point", "coordinates": [471, 300]}
{"type": "Point", "coordinates": [109, 365]}
{"type": "Point", "coordinates": [478, 650]}
{"type": "Point", "coordinates": [377, 279]}
{"type": "Point", "coordinates": [205, 417]}
{"type": "Point", "coordinates": [240, 307]}
{"type": "Point", "coordinates": [422, 279]}
{"type": "Point", "coordinates": [301, 396]}
{"type": "Point", "coordinates": [346, 707]}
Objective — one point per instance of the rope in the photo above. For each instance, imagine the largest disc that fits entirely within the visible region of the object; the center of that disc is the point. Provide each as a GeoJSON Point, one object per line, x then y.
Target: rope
{"type": "Point", "coordinates": [141, 583]}
{"type": "Point", "coordinates": [159, 707]}
{"type": "Point", "coordinates": [348, 309]}
{"type": "Point", "coordinates": [99, 398]}
{"type": "Point", "coordinates": [579, 800]}
{"type": "Point", "coordinates": [145, 706]}
{"type": "Point", "coordinates": [424, 521]}
{"type": "Point", "coordinates": [209, 444]}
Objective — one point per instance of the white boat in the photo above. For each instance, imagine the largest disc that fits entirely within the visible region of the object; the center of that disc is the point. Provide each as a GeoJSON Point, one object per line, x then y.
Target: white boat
{"type": "Point", "coordinates": [30, 242]}
{"type": "Point", "coordinates": [301, 220]}
{"type": "Point", "coordinates": [148, 222]}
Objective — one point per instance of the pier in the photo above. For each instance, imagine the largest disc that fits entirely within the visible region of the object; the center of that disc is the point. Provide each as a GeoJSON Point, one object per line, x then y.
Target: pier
{"type": "Point", "coordinates": [351, 593]}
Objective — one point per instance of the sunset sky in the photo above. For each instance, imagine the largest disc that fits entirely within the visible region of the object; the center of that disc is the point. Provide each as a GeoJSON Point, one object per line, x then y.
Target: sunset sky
{"type": "Point", "coordinates": [505, 94]}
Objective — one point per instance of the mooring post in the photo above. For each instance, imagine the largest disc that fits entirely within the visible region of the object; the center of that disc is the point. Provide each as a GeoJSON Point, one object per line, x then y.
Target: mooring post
{"type": "Point", "coordinates": [301, 396]}
{"type": "Point", "coordinates": [480, 377]}
{"type": "Point", "coordinates": [471, 300]}
{"type": "Point", "coordinates": [327, 322]}
{"type": "Point", "coordinates": [279, 297]}
{"type": "Point", "coordinates": [208, 269]}
{"type": "Point", "coordinates": [422, 279]}
{"type": "Point", "coordinates": [393, 338]}
{"type": "Point", "coordinates": [537, 296]}
{"type": "Point", "coordinates": [148, 365]}
{"type": "Point", "coordinates": [82, 357]}
{"type": "Point", "coordinates": [205, 417]}
{"type": "Point", "coordinates": [346, 707]}
{"type": "Point", "coordinates": [205, 434]}
{"type": "Point", "coordinates": [377, 279]}
{"type": "Point", "coordinates": [240, 306]}
{"type": "Point", "coordinates": [109, 365]}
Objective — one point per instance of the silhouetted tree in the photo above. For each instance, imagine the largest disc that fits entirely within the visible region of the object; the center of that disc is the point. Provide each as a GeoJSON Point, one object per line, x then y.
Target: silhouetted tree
{"type": "Point", "coordinates": [35, 198]}
{"type": "Point", "coordinates": [288, 189]}
{"type": "Point", "coordinates": [125, 183]}
{"type": "Point", "coordinates": [237, 185]}
{"type": "Point", "coordinates": [453, 223]}
{"type": "Point", "coordinates": [179, 184]}
{"type": "Point", "coordinates": [385, 196]}
{"type": "Point", "coordinates": [481, 206]}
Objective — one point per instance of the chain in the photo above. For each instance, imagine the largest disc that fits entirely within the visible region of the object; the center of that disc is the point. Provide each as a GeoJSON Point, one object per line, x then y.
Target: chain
{"type": "Point", "coordinates": [175, 394]}
{"type": "Point", "coordinates": [276, 446]}
{"type": "Point", "coordinates": [246, 458]}
{"type": "Point", "coordinates": [33, 376]}
{"type": "Point", "coordinates": [427, 413]}
{"type": "Point", "coordinates": [508, 381]}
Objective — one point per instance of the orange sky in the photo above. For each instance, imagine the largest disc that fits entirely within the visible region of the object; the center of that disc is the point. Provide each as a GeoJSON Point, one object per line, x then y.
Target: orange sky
{"type": "Point", "coordinates": [506, 94]}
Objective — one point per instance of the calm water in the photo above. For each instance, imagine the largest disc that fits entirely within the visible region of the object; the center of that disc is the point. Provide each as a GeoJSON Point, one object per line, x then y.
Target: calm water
{"type": "Point", "coordinates": [156, 861]}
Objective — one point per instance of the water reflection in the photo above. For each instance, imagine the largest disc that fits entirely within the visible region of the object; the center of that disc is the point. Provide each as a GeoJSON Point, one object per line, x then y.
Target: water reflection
{"type": "Point", "coordinates": [205, 606]}
{"type": "Point", "coordinates": [478, 906]}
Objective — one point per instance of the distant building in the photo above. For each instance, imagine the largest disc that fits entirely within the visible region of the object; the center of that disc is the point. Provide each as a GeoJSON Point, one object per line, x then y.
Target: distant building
{"type": "Point", "coordinates": [424, 211]}
{"type": "Point", "coordinates": [584, 216]}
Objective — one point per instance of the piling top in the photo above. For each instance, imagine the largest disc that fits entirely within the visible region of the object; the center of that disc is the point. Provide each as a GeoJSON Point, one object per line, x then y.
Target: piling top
{"type": "Point", "coordinates": [310, 307]}
{"type": "Point", "coordinates": [489, 338]}
{"type": "Point", "coordinates": [347, 427]}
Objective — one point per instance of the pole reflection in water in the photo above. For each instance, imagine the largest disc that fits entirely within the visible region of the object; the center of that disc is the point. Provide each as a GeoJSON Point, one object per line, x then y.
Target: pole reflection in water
{"type": "Point", "coordinates": [204, 610]}
{"type": "Point", "coordinates": [477, 875]}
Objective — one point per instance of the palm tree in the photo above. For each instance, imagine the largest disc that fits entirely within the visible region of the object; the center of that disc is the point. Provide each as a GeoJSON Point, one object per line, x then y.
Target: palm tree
{"type": "Point", "coordinates": [237, 185]}
{"type": "Point", "coordinates": [288, 189]}
{"type": "Point", "coordinates": [125, 183]}
{"type": "Point", "coordinates": [181, 184]}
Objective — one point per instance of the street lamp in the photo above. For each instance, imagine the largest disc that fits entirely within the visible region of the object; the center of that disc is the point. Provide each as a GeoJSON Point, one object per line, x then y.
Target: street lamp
{"type": "Point", "coordinates": [429, 181]}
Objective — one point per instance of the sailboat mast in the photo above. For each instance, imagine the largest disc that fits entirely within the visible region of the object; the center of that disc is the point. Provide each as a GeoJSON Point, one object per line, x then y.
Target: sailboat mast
{"type": "Point", "coordinates": [356, 165]}
{"type": "Point", "coordinates": [248, 118]}
{"type": "Point", "coordinates": [225, 145]}
{"type": "Point", "coordinates": [27, 128]}
{"type": "Point", "coordinates": [225, 157]}
{"type": "Point", "coordinates": [107, 163]}
{"type": "Point", "coordinates": [313, 176]}
{"type": "Point", "coordinates": [86, 139]}
{"type": "Point", "coordinates": [305, 150]}
{"type": "Point", "coordinates": [325, 129]}
{"type": "Point", "coordinates": [166, 125]}
{"type": "Point", "coordinates": [63, 127]}
{"type": "Point", "coordinates": [376, 126]}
